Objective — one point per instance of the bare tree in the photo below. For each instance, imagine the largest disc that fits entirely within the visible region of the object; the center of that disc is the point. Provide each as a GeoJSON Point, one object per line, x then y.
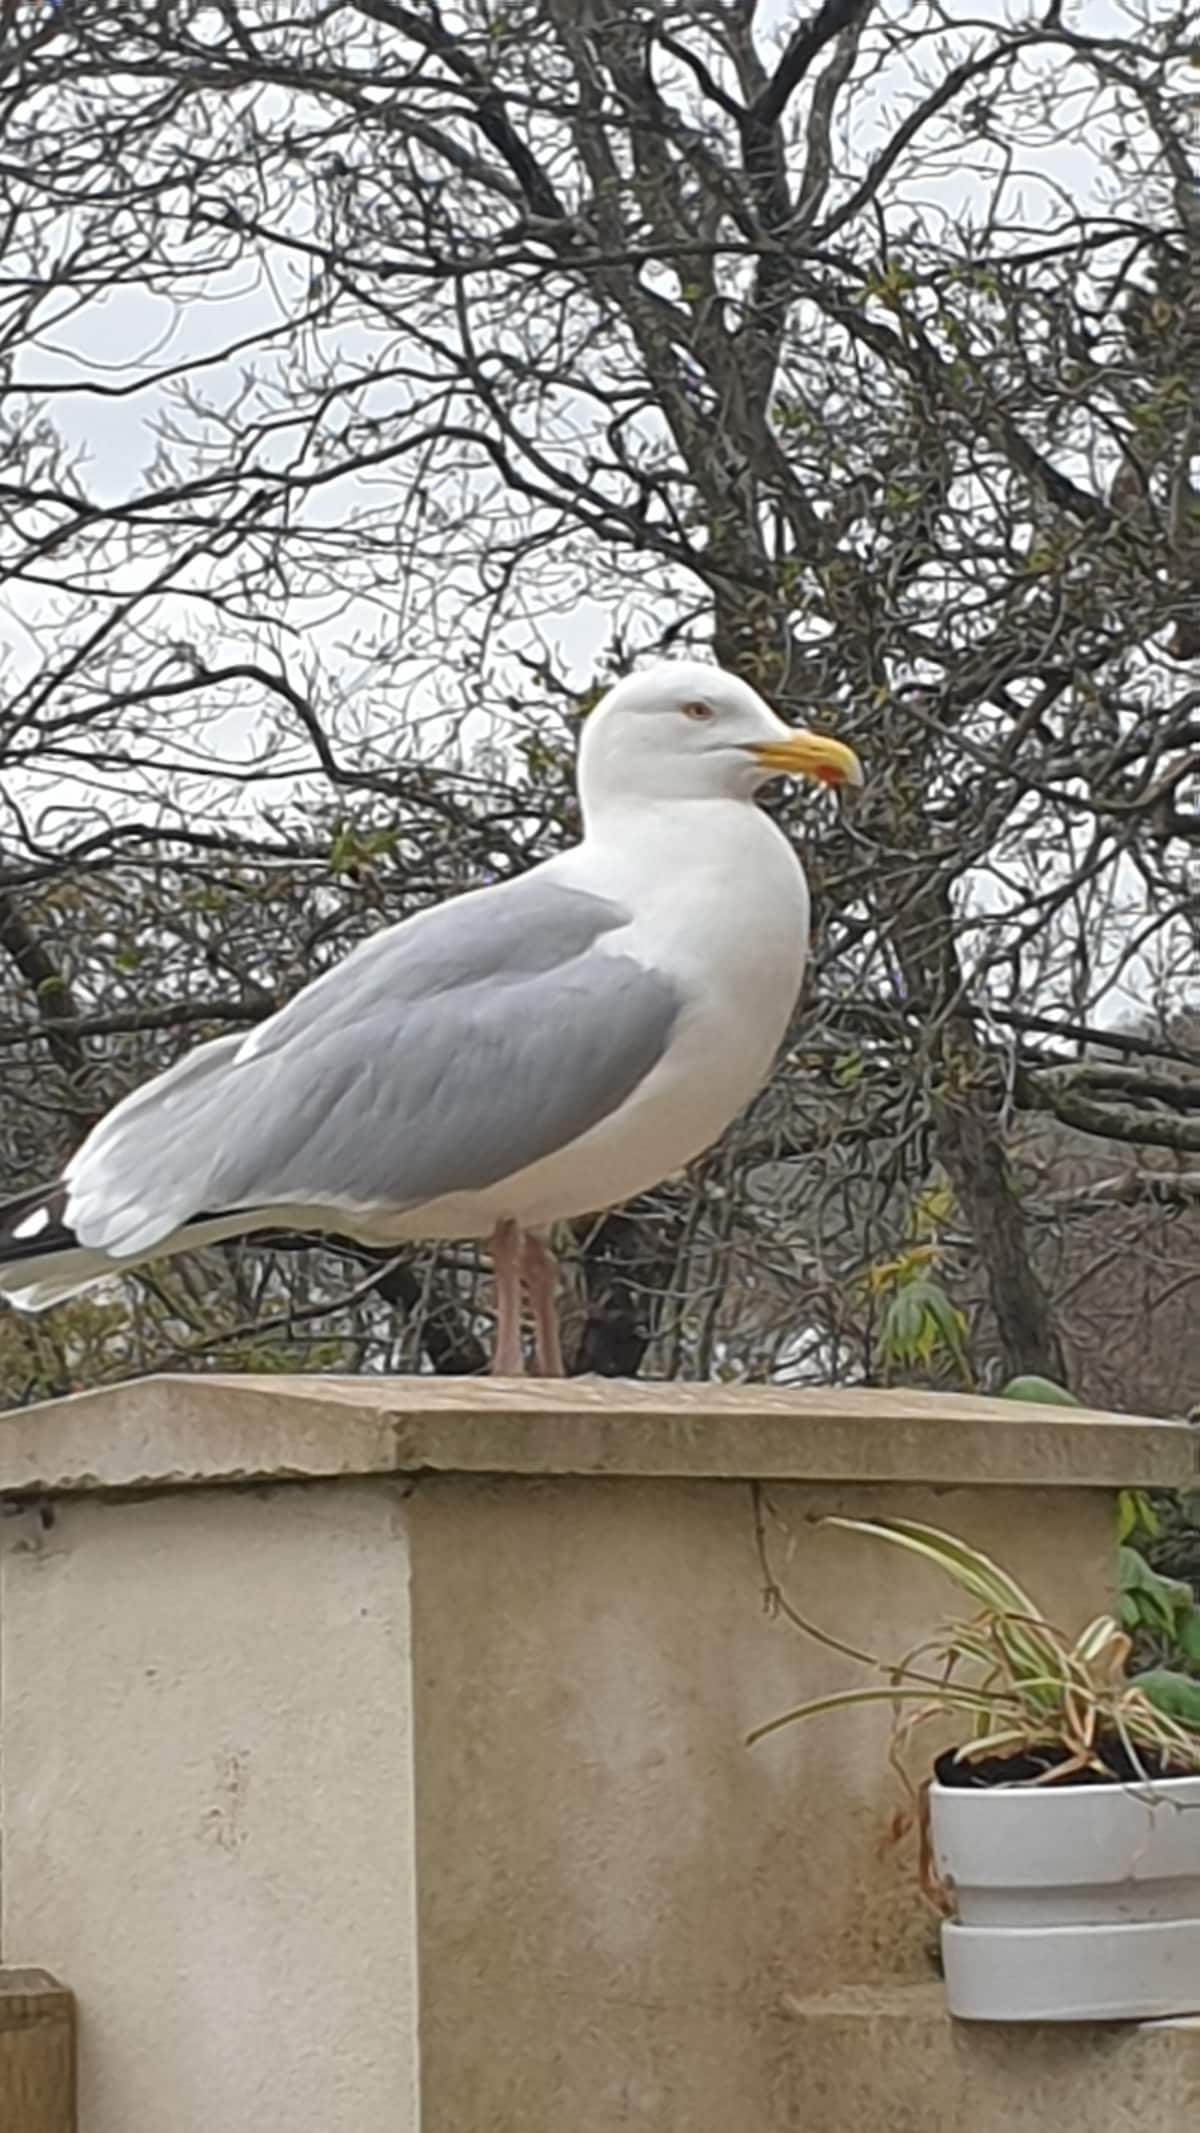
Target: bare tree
{"type": "Point", "coordinates": [466, 353]}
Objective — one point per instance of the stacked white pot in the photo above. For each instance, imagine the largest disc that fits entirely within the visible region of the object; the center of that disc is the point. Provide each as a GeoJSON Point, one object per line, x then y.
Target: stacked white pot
{"type": "Point", "coordinates": [1073, 1902]}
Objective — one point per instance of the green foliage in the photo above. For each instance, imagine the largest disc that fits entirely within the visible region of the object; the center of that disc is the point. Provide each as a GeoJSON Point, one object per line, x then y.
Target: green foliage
{"type": "Point", "coordinates": [890, 284]}
{"type": "Point", "coordinates": [1136, 1514]}
{"type": "Point", "coordinates": [546, 762]}
{"type": "Point", "coordinates": [920, 1322]}
{"type": "Point", "coordinates": [1159, 1610]}
{"type": "Point", "coordinates": [1149, 1600]}
{"type": "Point", "coordinates": [1040, 561]}
{"type": "Point", "coordinates": [43, 1358]}
{"type": "Point", "coordinates": [587, 699]}
{"type": "Point", "coordinates": [791, 415]}
{"type": "Point", "coordinates": [847, 1069]}
{"type": "Point", "coordinates": [1177, 1695]}
{"type": "Point", "coordinates": [1008, 1677]}
{"type": "Point", "coordinates": [1158, 1566]}
{"type": "Point", "coordinates": [264, 1358]}
{"type": "Point", "coordinates": [350, 847]}
{"type": "Point", "coordinates": [1161, 1607]}
{"type": "Point", "coordinates": [1043, 1390]}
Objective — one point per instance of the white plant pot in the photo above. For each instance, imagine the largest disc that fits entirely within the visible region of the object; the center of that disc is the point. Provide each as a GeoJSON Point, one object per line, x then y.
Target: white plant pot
{"type": "Point", "coordinates": [1073, 1903]}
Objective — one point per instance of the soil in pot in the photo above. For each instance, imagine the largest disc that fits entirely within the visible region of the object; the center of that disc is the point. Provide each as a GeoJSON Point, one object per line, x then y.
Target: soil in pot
{"type": "Point", "coordinates": [1120, 1768]}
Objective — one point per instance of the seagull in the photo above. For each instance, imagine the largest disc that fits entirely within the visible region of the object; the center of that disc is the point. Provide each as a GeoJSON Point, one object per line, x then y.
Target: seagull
{"type": "Point", "coordinates": [520, 1055]}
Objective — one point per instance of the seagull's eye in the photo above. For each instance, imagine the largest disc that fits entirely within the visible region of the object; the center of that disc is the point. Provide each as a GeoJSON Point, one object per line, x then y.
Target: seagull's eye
{"type": "Point", "coordinates": [698, 711]}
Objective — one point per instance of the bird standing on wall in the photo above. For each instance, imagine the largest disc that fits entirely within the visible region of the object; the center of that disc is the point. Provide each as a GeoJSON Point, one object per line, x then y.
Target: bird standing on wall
{"type": "Point", "coordinates": [520, 1055]}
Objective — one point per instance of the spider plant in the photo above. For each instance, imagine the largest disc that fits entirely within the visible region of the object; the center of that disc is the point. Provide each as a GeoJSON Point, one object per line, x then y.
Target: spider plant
{"type": "Point", "coordinates": [1009, 1678]}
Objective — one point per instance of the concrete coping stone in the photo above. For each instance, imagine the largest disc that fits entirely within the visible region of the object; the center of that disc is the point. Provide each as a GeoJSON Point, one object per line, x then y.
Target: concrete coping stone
{"type": "Point", "coordinates": [213, 1431]}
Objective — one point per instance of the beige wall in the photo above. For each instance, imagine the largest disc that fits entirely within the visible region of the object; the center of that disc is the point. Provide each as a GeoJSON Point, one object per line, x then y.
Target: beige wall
{"type": "Point", "coordinates": [617, 1889]}
{"type": "Point", "coordinates": [305, 1690]}
{"type": "Point", "coordinates": [207, 1810]}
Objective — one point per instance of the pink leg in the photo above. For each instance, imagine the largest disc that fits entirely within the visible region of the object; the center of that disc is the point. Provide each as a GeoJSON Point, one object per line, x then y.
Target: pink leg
{"type": "Point", "coordinates": [540, 1270]}
{"type": "Point", "coordinates": [508, 1360]}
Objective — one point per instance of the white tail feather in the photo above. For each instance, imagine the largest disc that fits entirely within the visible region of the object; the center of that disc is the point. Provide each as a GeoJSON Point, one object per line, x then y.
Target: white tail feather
{"type": "Point", "coordinates": [37, 1284]}
{"type": "Point", "coordinates": [66, 1274]}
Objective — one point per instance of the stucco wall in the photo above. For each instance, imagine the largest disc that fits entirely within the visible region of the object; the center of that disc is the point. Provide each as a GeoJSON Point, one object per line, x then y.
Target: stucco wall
{"type": "Point", "coordinates": [207, 1803]}
{"type": "Point", "coordinates": [613, 1885]}
{"type": "Point", "coordinates": [310, 1691]}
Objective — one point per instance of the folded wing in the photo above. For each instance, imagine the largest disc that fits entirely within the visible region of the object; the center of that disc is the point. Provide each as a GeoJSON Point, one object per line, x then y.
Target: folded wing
{"type": "Point", "coordinates": [445, 1054]}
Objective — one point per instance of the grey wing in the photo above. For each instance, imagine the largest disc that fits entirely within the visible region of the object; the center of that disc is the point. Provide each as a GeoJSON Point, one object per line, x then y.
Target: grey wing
{"type": "Point", "coordinates": [448, 1053]}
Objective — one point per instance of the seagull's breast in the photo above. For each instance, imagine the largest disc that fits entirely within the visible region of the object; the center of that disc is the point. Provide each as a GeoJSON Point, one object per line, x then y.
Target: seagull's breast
{"type": "Point", "coordinates": [725, 916]}
{"type": "Point", "coordinates": [717, 902]}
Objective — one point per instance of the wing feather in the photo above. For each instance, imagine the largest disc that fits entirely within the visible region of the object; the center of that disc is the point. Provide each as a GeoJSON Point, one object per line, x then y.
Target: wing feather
{"type": "Point", "coordinates": [444, 1055]}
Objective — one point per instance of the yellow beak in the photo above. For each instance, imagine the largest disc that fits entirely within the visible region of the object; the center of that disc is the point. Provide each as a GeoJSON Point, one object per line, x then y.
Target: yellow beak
{"type": "Point", "coordinates": [810, 755]}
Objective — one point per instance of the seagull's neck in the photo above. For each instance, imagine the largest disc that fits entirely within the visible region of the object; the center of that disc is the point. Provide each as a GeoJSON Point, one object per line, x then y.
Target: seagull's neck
{"type": "Point", "coordinates": [629, 819]}
{"type": "Point", "coordinates": [678, 847]}
{"type": "Point", "coordinates": [715, 897]}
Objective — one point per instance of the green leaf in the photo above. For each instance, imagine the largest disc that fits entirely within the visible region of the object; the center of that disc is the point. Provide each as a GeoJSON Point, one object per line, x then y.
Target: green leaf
{"type": "Point", "coordinates": [1023, 1681]}
{"type": "Point", "coordinates": [1176, 1695]}
{"type": "Point", "coordinates": [355, 848]}
{"type": "Point", "coordinates": [1043, 1390]}
{"type": "Point", "coordinates": [970, 1568]}
{"type": "Point", "coordinates": [932, 1209]}
{"type": "Point", "coordinates": [919, 1321]}
{"type": "Point", "coordinates": [947, 1317]}
{"type": "Point", "coordinates": [1187, 1637]}
{"type": "Point", "coordinates": [1149, 1600]}
{"type": "Point", "coordinates": [1136, 1513]}
{"type": "Point", "coordinates": [940, 1696]}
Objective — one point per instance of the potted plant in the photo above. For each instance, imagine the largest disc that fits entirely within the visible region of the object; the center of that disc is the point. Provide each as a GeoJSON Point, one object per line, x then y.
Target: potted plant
{"type": "Point", "coordinates": [1061, 1835]}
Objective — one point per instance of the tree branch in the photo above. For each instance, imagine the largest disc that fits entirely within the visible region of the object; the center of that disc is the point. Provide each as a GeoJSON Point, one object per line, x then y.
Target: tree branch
{"type": "Point", "coordinates": [1066, 1092]}
{"type": "Point", "coordinates": [490, 112]}
{"type": "Point", "coordinates": [1088, 1033]}
{"type": "Point", "coordinates": [803, 47]}
{"type": "Point", "coordinates": [58, 1013]}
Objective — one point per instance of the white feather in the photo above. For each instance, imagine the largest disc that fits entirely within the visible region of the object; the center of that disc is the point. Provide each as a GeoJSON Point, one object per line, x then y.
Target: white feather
{"type": "Point", "coordinates": [34, 1224]}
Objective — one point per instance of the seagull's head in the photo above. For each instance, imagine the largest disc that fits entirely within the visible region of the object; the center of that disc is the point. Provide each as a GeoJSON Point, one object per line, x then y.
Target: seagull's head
{"type": "Point", "coordinates": [685, 731]}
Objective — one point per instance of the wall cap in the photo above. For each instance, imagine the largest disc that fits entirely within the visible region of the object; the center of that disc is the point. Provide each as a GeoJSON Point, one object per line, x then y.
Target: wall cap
{"type": "Point", "coordinates": [179, 1432]}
